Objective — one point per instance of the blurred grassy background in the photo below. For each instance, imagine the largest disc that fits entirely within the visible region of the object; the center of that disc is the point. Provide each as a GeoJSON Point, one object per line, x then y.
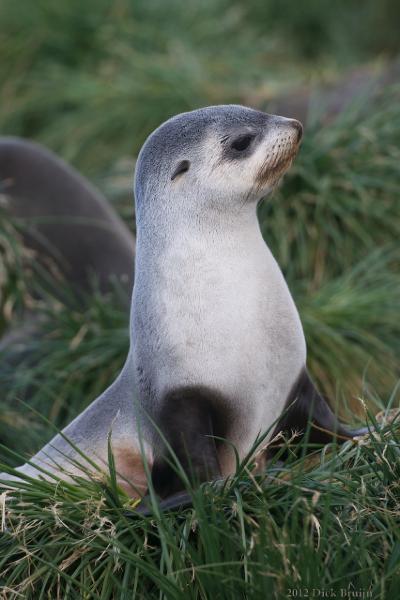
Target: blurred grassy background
{"type": "Point", "coordinates": [91, 80]}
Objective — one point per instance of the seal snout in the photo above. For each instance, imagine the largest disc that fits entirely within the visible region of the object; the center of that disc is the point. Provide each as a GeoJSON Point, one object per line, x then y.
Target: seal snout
{"type": "Point", "coordinates": [299, 129]}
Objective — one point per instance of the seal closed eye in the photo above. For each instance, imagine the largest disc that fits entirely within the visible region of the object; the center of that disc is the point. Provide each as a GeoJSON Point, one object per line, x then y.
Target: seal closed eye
{"type": "Point", "coordinates": [217, 346]}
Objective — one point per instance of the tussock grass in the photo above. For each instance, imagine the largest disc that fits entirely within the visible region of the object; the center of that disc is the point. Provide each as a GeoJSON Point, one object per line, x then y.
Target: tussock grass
{"type": "Point", "coordinates": [353, 330]}
{"type": "Point", "coordinates": [330, 520]}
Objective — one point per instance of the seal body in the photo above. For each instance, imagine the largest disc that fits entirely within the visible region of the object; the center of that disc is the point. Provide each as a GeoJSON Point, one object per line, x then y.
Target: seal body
{"type": "Point", "coordinates": [213, 309]}
{"type": "Point", "coordinates": [217, 348]}
{"type": "Point", "coordinates": [210, 307]}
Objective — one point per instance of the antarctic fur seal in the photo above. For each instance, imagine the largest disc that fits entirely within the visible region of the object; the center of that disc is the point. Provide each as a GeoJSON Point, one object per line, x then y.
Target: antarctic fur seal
{"type": "Point", "coordinates": [217, 346]}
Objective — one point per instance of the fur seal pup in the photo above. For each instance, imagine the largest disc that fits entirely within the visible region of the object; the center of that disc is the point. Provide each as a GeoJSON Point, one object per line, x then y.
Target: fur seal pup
{"type": "Point", "coordinates": [217, 346]}
{"type": "Point", "coordinates": [65, 217]}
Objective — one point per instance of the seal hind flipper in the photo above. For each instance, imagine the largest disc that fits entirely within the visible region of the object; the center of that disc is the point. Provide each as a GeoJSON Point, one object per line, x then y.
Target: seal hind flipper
{"type": "Point", "coordinates": [188, 420]}
{"type": "Point", "coordinates": [308, 412]}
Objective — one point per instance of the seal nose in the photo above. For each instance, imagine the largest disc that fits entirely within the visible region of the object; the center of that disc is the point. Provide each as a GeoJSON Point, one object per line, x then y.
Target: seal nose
{"type": "Point", "coordinates": [299, 128]}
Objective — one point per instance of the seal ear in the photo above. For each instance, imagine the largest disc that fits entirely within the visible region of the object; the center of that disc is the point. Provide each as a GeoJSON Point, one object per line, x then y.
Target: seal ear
{"type": "Point", "coordinates": [181, 167]}
{"type": "Point", "coordinates": [189, 418]}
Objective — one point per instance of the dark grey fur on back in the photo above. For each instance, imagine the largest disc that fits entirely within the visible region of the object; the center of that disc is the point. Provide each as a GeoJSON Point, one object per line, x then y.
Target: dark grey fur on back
{"type": "Point", "coordinates": [65, 218]}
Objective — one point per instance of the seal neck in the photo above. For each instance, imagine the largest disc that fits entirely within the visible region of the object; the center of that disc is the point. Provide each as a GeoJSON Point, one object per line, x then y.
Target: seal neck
{"type": "Point", "coordinates": [161, 218]}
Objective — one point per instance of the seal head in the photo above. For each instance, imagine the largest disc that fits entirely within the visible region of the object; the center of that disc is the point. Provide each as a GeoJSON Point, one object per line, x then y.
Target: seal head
{"type": "Point", "coordinates": [222, 151]}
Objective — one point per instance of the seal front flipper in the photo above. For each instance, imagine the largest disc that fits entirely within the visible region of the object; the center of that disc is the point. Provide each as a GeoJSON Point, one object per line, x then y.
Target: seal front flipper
{"type": "Point", "coordinates": [186, 450]}
{"type": "Point", "coordinates": [188, 419]}
{"type": "Point", "coordinates": [307, 412]}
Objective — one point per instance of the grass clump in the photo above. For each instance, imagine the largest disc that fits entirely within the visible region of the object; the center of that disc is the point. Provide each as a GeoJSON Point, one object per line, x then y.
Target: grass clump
{"type": "Point", "coordinates": [327, 521]}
